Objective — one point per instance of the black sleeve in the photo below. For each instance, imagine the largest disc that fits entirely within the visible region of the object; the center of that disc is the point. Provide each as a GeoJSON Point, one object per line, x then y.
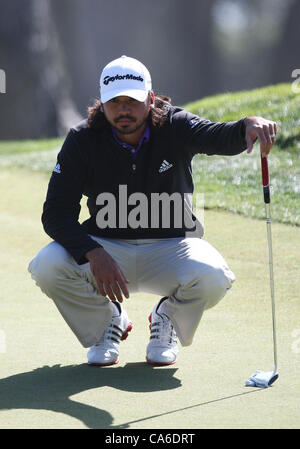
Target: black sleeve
{"type": "Point", "coordinates": [62, 206]}
{"type": "Point", "coordinates": [203, 136]}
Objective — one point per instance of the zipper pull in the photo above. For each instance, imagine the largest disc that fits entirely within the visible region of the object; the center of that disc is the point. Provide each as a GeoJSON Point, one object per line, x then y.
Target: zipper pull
{"type": "Point", "coordinates": [134, 167]}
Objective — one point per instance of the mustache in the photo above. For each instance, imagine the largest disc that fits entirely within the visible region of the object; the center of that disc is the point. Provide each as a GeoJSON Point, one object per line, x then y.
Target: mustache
{"type": "Point", "coordinates": [127, 117]}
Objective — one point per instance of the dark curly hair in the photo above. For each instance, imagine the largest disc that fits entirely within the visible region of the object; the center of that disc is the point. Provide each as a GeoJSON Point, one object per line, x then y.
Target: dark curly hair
{"type": "Point", "coordinates": [158, 112]}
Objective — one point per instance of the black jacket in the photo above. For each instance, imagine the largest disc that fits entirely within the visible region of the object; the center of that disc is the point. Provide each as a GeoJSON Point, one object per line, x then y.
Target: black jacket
{"type": "Point", "coordinates": [91, 162]}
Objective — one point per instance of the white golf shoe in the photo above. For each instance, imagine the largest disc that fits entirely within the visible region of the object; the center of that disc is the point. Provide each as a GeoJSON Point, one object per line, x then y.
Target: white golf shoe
{"type": "Point", "coordinates": [106, 351]}
{"type": "Point", "coordinates": [162, 348]}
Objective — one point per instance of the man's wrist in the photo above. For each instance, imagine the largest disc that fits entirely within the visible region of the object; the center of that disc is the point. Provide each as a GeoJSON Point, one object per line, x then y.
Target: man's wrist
{"type": "Point", "coordinates": [92, 253]}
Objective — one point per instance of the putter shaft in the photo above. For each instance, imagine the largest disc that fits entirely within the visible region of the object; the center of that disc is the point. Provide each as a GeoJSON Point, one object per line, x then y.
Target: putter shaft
{"type": "Point", "coordinates": [269, 234]}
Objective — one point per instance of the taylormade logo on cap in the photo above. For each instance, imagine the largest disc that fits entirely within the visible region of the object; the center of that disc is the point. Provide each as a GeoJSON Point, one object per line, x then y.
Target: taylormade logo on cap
{"type": "Point", "coordinates": [107, 79]}
{"type": "Point", "coordinates": [125, 76]}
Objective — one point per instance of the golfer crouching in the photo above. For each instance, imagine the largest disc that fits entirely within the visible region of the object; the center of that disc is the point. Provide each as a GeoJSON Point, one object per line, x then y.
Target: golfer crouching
{"type": "Point", "coordinates": [132, 158]}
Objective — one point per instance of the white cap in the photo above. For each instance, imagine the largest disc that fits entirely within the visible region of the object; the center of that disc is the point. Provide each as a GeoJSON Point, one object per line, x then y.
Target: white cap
{"type": "Point", "coordinates": [125, 76]}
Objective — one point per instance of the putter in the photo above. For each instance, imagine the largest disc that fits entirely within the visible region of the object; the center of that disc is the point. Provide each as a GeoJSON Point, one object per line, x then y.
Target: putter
{"type": "Point", "coordinates": [265, 379]}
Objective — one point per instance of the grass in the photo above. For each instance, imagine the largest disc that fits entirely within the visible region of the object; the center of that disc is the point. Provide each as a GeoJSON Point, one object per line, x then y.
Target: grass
{"type": "Point", "coordinates": [28, 146]}
{"type": "Point", "coordinates": [234, 184]}
{"type": "Point", "coordinates": [228, 183]}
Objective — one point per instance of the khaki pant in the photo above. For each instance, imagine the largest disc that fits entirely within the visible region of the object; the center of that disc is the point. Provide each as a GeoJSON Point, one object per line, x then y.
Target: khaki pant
{"type": "Point", "coordinates": [189, 271]}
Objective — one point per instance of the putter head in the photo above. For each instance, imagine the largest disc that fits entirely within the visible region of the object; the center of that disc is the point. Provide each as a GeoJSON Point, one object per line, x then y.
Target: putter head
{"type": "Point", "coordinates": [262, 379]}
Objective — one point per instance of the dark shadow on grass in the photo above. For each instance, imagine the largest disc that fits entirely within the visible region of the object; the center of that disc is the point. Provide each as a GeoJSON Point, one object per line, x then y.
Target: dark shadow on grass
{"type": "Point", "coordinates": [50, 388]}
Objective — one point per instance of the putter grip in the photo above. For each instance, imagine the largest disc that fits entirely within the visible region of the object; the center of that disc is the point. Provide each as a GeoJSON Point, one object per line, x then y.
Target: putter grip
{"type": "Point", "coordinates": [265, 179]}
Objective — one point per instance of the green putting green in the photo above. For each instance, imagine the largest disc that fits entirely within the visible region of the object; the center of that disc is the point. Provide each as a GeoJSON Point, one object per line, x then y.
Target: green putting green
{"type": "Point", "coordinates": [44, 379]}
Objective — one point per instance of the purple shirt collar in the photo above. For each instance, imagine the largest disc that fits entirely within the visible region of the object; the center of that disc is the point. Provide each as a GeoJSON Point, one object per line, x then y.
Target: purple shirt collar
{"type": "Point", "coordinates": [144, 138]}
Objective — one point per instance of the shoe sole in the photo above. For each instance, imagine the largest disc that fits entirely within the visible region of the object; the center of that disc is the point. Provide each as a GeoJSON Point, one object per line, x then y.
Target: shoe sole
{"type": "Point", "coordinates": [160, 363]}
{"type": "Point", "coordinates": [115, 362]}
{"type": "Point", "coordinates": [104, 364]}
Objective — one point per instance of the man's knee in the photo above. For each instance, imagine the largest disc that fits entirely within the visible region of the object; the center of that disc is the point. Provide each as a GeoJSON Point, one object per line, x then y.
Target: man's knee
{"type": "Point", "coordinates": [48, 263]}
{"type": "Point", "coordinates": [216, 283]}
{"type": "Point", "coordinates": [210, 285]}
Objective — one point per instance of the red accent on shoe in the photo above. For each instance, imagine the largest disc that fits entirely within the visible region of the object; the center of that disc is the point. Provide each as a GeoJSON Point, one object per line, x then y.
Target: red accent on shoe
{"type": "Point", "coordinates": [125, 335]}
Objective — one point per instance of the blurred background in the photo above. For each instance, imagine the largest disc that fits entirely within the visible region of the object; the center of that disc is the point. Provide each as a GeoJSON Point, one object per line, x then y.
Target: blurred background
{"type": "Point", "coordinates": [52, 52]}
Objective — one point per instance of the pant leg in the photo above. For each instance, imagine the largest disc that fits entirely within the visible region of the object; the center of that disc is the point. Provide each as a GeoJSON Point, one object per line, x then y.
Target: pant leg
{"type": "Point", "coordinates": [191, 272]}
{"type": "Point", "coordinates": [73, 288]}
